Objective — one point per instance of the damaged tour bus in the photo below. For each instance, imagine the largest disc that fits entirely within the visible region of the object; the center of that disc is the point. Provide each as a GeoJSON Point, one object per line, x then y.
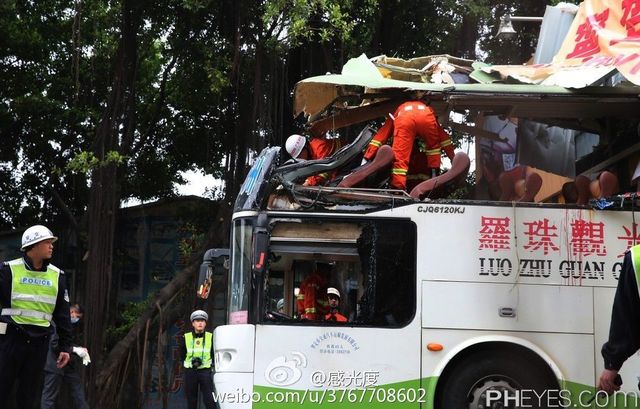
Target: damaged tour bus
{"type": "Point", "coordinates": [499, 296]}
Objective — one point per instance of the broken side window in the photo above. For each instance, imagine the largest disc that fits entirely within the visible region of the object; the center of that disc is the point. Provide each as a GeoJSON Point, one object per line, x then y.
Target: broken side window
{"type": "Point", "coordinates": [367, 266]}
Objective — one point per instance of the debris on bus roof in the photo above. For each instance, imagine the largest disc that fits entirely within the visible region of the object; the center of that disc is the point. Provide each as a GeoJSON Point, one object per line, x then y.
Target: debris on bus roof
{"type": "Point", "coordinates": [436, 69]}
{"type": "Point", "coordinates": [576, 98]}
{"type": "Point", "coordinates": [362, 83]}
{"type": "Point", "coordinates": [577, 68]}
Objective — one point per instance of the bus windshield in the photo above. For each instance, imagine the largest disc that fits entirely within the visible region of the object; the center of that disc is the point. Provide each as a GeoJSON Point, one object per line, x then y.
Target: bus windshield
{"type": "Point", "coordinates": [239, 284]}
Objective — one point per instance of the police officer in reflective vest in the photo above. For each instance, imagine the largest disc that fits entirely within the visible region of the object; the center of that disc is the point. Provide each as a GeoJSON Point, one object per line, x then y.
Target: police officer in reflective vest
{"type": "Point", "coordinates": [624, 332]}
{"type": "Point", "coordinates": [198, 360]}
{"type": "Point", "coordinates": [33, 294]}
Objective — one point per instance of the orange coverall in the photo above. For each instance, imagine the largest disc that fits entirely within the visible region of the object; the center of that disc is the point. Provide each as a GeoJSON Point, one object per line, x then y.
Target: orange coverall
{"type": "Point", "coordinates": [412, 120]}
{"type": "Point", "coordinates": [312, 299]}
{"type": "Point", "coordinates": [335, 317]}
{"type": "Point", "coordinates": [320, 148]}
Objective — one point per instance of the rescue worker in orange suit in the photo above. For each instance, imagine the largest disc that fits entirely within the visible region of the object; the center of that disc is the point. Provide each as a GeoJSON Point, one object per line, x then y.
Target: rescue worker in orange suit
{"type": "Point", "coordinates": [412, 122]}
{"type": "Point", "coordinates": [313, 149]}
{"type": "Point", "coordinates": [624, 330]}
{"type": "Point", "coordinates": [333, 296]}
{"type": "Point", "coordinates": [312, 298]}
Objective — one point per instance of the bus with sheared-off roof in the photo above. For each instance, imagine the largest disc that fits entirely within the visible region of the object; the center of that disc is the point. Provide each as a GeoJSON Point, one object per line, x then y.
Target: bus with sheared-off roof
{"type": "Point", "coordinates": [463, 301]}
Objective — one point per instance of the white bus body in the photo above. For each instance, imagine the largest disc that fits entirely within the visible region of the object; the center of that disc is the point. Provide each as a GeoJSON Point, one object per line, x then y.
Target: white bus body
{"type": "Point", "coordinates": [528, 286]}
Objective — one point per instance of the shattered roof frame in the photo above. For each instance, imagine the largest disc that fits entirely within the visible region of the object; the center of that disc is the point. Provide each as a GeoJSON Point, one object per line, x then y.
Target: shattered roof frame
{"type": "Point", "coordinates": [364, 82]}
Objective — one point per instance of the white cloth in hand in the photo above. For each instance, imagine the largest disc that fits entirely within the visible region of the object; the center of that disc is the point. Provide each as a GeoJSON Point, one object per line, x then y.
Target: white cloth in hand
{"type": "Point", "coordinates": [82, 353]}
{"type": "Point", "coordinates": [87, 359]}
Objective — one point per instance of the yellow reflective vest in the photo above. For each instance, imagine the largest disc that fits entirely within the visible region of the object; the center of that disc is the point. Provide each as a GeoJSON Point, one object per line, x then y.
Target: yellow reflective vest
{"type": "Point", "coordinates": [198, 348]}
{"type": "Point", "coordinates": [635, 259]}
{"type": "Point", "coordinates": [33, 294]}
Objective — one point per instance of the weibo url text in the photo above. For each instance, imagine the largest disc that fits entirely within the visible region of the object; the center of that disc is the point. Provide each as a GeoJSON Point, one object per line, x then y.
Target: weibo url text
{"type": "Point", "coordinates": [560, 398]}
{"type": "Point", "coordinates": [377, 395]}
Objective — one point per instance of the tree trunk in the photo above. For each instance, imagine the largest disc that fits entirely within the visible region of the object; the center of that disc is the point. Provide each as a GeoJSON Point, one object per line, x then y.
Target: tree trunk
{"type": "Point", "coordinates": [468, 38]}
{"type": "Point", "coordinates": [103, 205]}
{"type": "Point", "coordinates": [383, 40]}
{"type": "Point", "coordinates": [104, 195]}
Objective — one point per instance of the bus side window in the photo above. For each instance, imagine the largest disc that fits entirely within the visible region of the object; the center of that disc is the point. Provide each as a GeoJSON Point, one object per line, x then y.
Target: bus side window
{"type": "Point", "coordinates": [388, 257]}
{"type": "Point", "coordinates": [370, 264]}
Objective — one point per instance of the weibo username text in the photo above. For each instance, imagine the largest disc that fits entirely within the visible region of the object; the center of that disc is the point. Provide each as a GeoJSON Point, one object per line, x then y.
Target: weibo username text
{"type": "Point", "coordinates": [525, 398]}
{"type": "Point", "coordinates": [364, 395]}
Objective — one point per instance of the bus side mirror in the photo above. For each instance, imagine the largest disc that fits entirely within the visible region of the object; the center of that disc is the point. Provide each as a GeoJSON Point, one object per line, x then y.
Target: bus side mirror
{"type": "Point", "coordinates": [260, 245]}
{"type": "Point", "coordinates": [215, 261]}
{"type": "Point", "coordinates": [260, 250]}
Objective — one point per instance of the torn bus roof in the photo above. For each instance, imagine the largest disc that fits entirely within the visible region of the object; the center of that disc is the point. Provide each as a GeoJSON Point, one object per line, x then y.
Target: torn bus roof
{"type": "Point", "coordinates": [366, 82]}
{"type": "Point", "coordinates": [437, 69]}
{"type": "Point", "coordinates": [581, 62]}
{"type": "Point", "coordinates": [550, 74]}
{"type": "Point", "coordinates": [314, 94]}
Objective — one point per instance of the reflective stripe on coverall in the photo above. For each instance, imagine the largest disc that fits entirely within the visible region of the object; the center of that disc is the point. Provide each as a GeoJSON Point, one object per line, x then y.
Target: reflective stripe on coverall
{"type": "Point", "coordinates": [411, 119]}
{"type": "Point", "coordinates": [311, 300]}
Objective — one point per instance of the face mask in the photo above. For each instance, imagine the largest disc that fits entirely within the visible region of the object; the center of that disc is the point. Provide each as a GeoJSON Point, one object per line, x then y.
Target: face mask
{"type": "Point", "coordinates": [75, 320]}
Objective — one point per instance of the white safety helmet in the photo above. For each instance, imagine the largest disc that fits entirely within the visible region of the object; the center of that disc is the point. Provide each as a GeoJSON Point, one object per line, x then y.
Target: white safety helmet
{"type": "Point", "coordinates": [199, 315]}
{"type": "Point", "coordinates": [280, 304]}
{"type": "Point", "coordinates": [333, 291]}
{"type": "Point", "coordinates": [295, 144]}
{"type": "Point", "coordinates": [36, 234]}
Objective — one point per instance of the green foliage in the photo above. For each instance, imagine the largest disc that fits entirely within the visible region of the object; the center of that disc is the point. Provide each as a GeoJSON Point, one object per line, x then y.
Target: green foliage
{"type": "Point", "coordinates": [466, 190]}
{"type": "Point", "coordinates": [113, 157]}
{"type": "Point", "coordinates": [213, 81]}
{"type": "Point", "coordinates": [129, 314]}
{"type": "Point", "coordinates": [85, 162]}
{"type": "Point", "coordinates": [479, 8]}
{"type": "Point", "coordinates": [49, 119]}
{"type": "Point", "coordinates": [519, 49]}
{"type": "Point", "coordinates": [195, 5]}
{"type": "Point", "coordinates": [194, 237]}
{"type": "Point", "coordinates": [293, 22]}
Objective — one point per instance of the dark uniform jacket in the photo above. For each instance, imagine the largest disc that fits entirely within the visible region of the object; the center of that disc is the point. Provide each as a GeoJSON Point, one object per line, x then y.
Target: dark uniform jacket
{"type": "Point", "coordinates": [60, 314]}
{"type": "Point", "coordinates": [52, 356]}
{"type": "Point", "coordinates": [624, 332]}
